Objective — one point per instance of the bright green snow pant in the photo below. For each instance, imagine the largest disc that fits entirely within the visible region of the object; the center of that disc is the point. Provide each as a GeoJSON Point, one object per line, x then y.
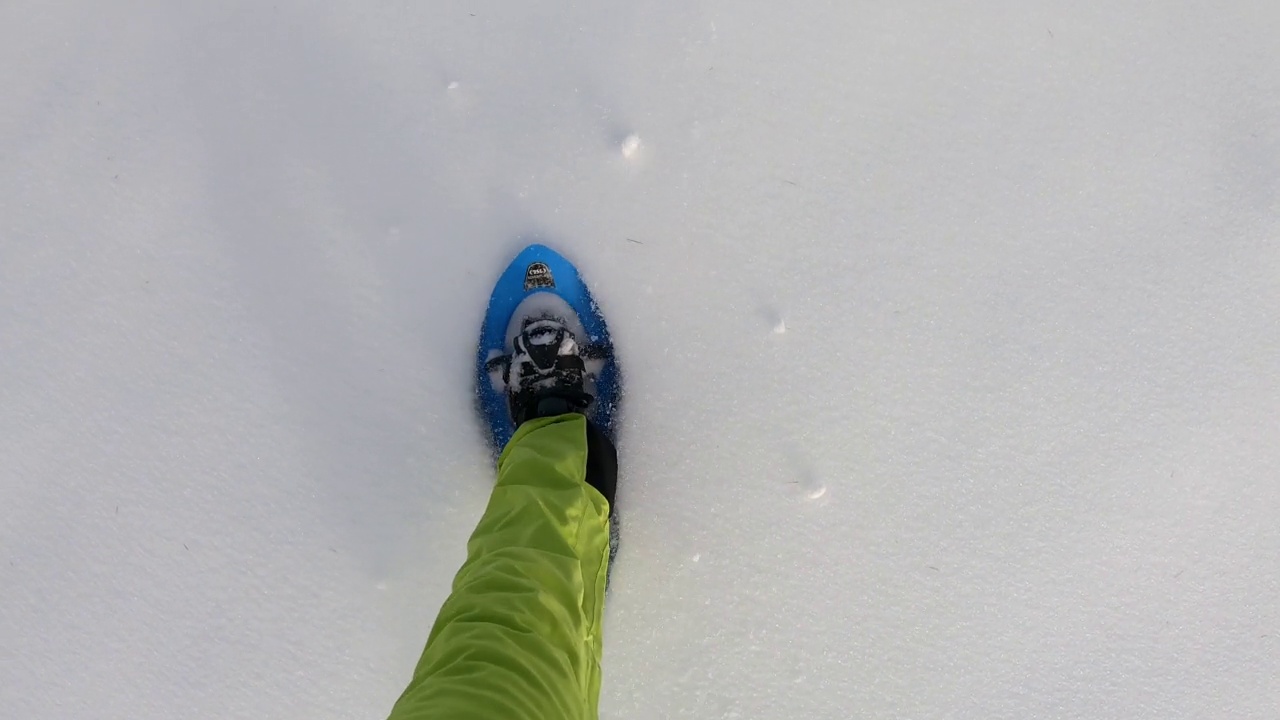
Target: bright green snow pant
{"type": "Point", "coordinates": [519, 637]}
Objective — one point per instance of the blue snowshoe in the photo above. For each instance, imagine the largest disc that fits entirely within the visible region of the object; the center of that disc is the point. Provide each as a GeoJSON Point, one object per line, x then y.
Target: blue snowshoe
{"type": "Point", "coordinates": [544, 348]}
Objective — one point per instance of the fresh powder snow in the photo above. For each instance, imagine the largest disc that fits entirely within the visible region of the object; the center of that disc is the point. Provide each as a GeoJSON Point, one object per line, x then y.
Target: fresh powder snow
{"type": "Point", "coordinates": [949, 333]}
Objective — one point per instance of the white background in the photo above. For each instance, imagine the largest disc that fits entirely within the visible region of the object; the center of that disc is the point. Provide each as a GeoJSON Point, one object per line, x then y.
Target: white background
{"type": "Point", "coordinates": [1016, 454]}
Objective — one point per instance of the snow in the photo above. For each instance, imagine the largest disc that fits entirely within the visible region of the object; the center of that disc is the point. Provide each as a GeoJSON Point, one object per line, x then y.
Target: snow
{"type": "Point", "coordinates": [1014, 456]}
{"type": "Point", "coordinates": [631, 146]}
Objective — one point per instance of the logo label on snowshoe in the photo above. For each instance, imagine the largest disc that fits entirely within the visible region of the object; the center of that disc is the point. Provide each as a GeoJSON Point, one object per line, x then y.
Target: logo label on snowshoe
{"type": "Point", "coordinates": [538, 275]}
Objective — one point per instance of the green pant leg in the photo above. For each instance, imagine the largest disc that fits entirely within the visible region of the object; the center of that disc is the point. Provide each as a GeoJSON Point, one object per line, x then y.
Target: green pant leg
{"type": "Point", "coordinates": [519, 637]}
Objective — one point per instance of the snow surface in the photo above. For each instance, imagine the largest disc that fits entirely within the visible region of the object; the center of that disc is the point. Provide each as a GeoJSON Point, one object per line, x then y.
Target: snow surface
{"type": "Point", "coordinates": [1016, 455]}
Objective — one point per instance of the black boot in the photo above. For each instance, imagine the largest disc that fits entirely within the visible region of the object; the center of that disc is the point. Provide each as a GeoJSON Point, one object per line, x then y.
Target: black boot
{"type": "Point", "coordinates": [544, 378]}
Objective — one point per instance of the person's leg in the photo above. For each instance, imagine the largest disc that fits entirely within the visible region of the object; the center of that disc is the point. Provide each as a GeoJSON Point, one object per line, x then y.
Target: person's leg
{"type": "Point", "coordinates": [519, 637]}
